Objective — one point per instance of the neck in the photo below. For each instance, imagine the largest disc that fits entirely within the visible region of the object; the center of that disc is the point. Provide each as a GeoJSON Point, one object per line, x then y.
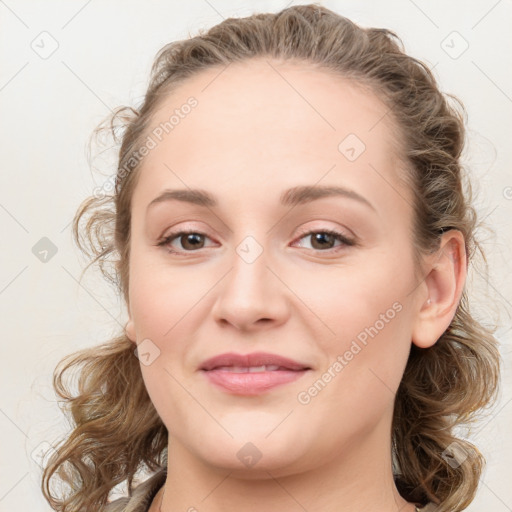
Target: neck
{"type": "Point", "coordinates": [359, 477]}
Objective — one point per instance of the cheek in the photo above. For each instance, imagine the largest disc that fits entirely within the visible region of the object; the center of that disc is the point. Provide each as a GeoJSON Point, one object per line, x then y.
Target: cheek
{"type": "Point", "coordinates": [365, 327]}
{"type": "Point", "coordinates": [166, 310]}
{"type": "Point", "coordinates": [161, 295]}
{"type": "Point", "coordinates": [348, 298]}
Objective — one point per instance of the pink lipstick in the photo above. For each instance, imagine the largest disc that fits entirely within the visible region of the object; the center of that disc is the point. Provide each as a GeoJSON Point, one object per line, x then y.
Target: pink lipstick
{"type": "Point", "coordinates": [251, 374]}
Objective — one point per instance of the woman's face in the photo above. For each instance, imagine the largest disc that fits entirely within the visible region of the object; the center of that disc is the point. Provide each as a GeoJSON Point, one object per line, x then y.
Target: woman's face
{"type": "Point", "coordinates": [253, 280]}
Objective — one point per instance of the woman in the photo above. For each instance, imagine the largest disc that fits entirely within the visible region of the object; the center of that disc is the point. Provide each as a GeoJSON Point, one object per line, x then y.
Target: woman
{"type": "Point", "coordinates": [292, 241]}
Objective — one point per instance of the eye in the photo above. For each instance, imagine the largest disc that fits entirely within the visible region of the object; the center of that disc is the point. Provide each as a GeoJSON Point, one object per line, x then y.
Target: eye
{"type": "Point", "coordinates": [324, 239]}
{"type": "Point", "coordinates": [189, 240]}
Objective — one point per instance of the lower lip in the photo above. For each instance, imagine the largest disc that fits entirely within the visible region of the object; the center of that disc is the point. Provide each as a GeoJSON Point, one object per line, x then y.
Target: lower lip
{"type": "Point", "coordinates": [252, 383]}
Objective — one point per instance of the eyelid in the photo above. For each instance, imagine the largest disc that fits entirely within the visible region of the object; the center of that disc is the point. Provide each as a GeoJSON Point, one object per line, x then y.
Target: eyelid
{"type": "Point", "coordinates": [346, 240]}
{"type": "Point", "coordinates": [165, 240]}
{"type": "Point", "coordinates": [349, 238]}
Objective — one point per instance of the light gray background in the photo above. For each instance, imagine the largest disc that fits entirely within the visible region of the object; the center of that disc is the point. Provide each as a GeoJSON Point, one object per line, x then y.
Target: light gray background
{"type": "Point", "coordinates": [51, 103]}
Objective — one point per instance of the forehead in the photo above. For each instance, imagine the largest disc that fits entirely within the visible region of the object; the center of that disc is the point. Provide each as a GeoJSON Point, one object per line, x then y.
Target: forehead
{"type": "Point", "coordinates": [266, 123]}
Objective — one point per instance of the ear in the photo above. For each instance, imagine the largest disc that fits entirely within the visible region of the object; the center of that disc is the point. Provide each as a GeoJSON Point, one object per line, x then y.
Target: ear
{"type": "Point", "coordinates": [444, 284]}
{"type": "Point", "coordinates": [130, 330]}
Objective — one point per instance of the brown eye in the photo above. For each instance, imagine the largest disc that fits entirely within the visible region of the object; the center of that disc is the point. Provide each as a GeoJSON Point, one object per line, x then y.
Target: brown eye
{"type": "Point", "coordinates": [189, 241]}
{"type": "Point", "coordinates": [322, 240]}
{"type": "Point", "coordinates": [325, 239]}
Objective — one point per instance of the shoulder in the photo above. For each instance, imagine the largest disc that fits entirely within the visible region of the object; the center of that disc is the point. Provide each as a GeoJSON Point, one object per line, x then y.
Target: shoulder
{"type": "Point", "coordinates": [142, 496]}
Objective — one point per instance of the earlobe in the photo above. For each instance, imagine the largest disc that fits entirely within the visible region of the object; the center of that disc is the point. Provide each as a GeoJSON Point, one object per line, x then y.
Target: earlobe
{"type": "Point", "coordinates": [130, 330]}
{"type": "Point", "coordinates": [444, 284]}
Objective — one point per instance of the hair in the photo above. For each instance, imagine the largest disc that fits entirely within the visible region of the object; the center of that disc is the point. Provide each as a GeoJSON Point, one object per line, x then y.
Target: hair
{"type": "Point", "coordinates": [116, 429]}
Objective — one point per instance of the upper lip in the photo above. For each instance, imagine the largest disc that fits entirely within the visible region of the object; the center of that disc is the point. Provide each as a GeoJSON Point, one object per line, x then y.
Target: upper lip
{"type": "Point", "coordinates": [254, 359]}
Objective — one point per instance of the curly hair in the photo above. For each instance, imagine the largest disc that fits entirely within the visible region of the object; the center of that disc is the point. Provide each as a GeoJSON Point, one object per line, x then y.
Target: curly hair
{"type": "Point", "coordinates": [116, 429]}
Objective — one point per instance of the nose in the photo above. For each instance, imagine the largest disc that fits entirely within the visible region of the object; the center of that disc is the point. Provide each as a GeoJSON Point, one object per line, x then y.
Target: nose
{"type": "Point", "coordinates": [252, 296]}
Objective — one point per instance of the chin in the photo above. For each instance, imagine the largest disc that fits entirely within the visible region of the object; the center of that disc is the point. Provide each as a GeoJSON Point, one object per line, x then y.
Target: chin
{"type": "Point", "coordinates": [253, 458]}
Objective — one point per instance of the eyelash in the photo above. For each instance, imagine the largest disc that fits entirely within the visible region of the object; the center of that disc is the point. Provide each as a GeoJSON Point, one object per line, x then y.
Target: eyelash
{"type": "Point", "coordinates": [177, 234]}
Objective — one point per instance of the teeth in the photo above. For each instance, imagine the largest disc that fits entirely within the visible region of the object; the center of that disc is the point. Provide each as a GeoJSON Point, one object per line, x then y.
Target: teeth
{"type": "Point", "coordinates": [250, 369]}
{"type": "Point", "coordinates": [266, 368]}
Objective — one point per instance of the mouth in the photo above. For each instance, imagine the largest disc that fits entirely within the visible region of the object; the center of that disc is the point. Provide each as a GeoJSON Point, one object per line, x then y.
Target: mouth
{"type": "Point", "coordinates": [251, 374]}
{"type": "Point", "coordinates": [254, 362]}
{"type": "Point", "coordinates": [253, 369]}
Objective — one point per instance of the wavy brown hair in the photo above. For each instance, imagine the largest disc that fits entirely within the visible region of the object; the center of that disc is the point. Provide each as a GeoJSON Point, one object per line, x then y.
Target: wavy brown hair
{"type": "Point", "coordinates": [117, 431]}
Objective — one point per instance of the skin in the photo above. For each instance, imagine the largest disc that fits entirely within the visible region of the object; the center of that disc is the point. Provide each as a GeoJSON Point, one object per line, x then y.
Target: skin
{"type": "Point", "coordinates": [252, 135]}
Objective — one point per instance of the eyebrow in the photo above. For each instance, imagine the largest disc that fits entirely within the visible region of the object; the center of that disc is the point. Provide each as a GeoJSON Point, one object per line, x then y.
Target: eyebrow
{"type": "Point", "coordinates": [291, 197]}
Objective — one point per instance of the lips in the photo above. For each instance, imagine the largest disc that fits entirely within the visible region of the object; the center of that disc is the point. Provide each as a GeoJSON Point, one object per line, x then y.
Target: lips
{"type": "Point", "coordinates": [252, 362]}
{"type": "Point", "coordinates": [251, 374]}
